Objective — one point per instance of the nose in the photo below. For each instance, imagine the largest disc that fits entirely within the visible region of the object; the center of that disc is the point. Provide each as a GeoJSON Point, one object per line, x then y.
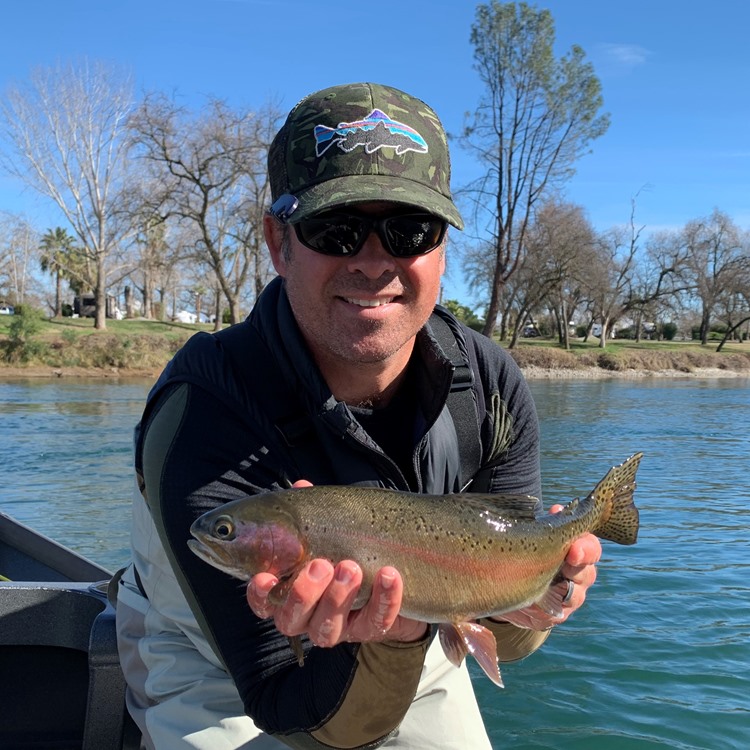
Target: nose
{"type": "Point", "coordinates": [373, 260]}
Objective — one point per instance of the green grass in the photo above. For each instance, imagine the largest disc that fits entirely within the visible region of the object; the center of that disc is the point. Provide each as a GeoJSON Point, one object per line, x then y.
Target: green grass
{"type": "Point", "coordinates": [75, 343]}
{"type": "Point", "coordinates": [624, 354]}
{"type": "Point", "coordinates": [131, 345]}
{"type": "Point", "coordinates": [122, 327]}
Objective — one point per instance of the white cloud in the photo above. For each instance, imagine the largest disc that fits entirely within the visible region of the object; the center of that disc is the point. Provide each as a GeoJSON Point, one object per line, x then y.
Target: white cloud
{"type": "Point", "coordinates": [624, 55]}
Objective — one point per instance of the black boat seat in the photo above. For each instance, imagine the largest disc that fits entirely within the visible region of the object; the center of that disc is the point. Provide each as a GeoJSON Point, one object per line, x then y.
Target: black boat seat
{"type": "Point", "coordinates": [61, 686]}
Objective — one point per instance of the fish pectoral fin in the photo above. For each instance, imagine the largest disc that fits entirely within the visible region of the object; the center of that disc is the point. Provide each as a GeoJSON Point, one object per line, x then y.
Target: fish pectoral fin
{"type": "Point", "coordinates": [280, 592]}
{"type": "Point", "coordinates": [461, 638]}
{"type": "Point", "coordinates": [295, 643]}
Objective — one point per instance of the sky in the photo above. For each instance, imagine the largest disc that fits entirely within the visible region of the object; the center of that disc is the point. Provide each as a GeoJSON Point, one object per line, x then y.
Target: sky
{"type": "Point", "coordinates": [675, 80]}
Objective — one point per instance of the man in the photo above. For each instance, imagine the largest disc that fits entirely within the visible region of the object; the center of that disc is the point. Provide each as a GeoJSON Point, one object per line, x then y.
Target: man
{"type": "Point", "coordinates": [341, 375]}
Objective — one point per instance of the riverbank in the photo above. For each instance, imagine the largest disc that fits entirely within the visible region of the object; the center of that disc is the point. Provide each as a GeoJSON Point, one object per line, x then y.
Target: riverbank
{"type": "Point", "coordinates": [597, 373]}
{"type": "Point", "coordinates": [72, 348]}
{"type": "Point", "coordinates": [530, 371]}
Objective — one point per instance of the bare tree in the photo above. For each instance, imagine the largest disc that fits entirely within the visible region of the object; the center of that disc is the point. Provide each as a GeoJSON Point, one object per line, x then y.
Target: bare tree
{"type": "Point", "coordinates": [67, 130]}
{"type": "Point", "coordinates": [536, 118]}
{"type": "Point", "coordinates": [715, 257]}
{"type": "Point", "coordinates": [18, 242]}
{"type": "Point", "coordinates": [560, 245]}
{"type": "Point", "coordinates": [212, 169]}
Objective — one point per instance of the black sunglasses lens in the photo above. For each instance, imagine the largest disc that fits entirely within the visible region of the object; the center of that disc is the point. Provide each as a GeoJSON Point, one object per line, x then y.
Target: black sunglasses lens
{"type": "Point", "coordinates": [344, 234]}
{"type": "Point", "coordinates": [414, 234]}
{"type": "Point", "coordinates": [333, 234]}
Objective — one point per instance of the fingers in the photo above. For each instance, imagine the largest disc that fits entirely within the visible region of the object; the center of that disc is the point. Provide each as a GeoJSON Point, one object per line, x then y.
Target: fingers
{"type": "Point", "coordinates": [319, 602]}
{"type": "Point", "coordinates": [378, 616]}
{"type": "Point", "coordinates": [257, 594]}
{"type": "Point", "coordinates": [579, 567]}
{"type": "Point", "coordinates": [291, 607]}
{"type": "Point", "coordinates": [328, 622]}
{"type": "Point", "coordinates": [586, 550]}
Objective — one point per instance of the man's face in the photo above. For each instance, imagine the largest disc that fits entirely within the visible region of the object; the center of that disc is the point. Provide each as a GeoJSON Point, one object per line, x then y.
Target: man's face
{"type": "Point", "coordinates": [362, 309]}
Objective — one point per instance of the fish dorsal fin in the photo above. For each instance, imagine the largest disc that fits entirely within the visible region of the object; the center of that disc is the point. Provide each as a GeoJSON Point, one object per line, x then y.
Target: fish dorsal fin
{"type": "Point", "coordinates": [571, 507]}
{"type": "Point", "coordinates": [520, 507]}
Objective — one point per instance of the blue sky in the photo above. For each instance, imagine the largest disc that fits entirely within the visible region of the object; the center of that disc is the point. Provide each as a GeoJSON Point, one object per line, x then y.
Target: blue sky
{"type": "Point", "coordinates": [675, 78]}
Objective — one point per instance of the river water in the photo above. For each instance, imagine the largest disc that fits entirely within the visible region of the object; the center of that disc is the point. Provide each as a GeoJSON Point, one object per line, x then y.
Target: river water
{"type": "Point", "coordinates": [659, 656]}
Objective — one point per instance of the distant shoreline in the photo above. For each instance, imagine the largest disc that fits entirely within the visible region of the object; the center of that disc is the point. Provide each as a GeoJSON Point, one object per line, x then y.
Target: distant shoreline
{"type": "Point", "coordinates": [598, 373]}
{"type": "Point", "coordinates": [531, 372]}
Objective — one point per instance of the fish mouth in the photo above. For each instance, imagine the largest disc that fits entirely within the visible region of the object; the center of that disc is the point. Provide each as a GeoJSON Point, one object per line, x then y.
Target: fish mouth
{"type": "Point", "coordinates": [203, 551]}
{"type": "Point", "coordinates": [218, 558]}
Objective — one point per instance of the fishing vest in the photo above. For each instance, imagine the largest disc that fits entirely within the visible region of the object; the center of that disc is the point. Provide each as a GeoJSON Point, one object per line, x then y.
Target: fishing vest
{"type": "Point", "coordinates": [253, 363]}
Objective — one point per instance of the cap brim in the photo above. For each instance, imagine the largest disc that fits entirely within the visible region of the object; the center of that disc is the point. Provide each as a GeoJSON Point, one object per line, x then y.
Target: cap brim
{"type": "Point", "coordinates": [352, 189]}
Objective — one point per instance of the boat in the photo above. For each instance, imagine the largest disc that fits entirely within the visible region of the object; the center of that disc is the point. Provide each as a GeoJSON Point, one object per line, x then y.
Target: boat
{"type": "Point", "coordinates": [61, 685]}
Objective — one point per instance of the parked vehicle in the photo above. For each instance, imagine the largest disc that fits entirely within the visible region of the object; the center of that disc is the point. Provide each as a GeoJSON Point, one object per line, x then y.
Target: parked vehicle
{"type": "Point", "coordinates": [7, 310]}
{"type": "Point", "coordinates": [61, 685]}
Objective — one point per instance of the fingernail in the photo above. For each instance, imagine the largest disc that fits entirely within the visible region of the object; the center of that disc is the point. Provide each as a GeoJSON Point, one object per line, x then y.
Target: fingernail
{"type": "Point", "coordinates": [386, 580]}
{"type": "Point", "coordinates": [317, 571]}
{"type": "Point", "coordinates": [343, 574]}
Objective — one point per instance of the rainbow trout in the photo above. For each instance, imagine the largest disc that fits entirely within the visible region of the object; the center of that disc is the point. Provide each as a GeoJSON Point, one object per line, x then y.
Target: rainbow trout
{"type": "Point", "coordinates": [462, 557]}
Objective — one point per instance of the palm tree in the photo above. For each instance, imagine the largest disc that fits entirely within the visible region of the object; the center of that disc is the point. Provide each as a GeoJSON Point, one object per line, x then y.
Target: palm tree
{"type": "Point", "coordinates": [58, 251]}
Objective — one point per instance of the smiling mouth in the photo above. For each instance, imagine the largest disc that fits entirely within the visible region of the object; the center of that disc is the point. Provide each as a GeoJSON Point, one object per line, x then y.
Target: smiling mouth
{"type": "Point", "coordinates": [368, 302]}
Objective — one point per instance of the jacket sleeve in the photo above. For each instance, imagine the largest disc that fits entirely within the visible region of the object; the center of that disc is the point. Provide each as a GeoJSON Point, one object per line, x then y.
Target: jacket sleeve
{"type": "Point", "coordinates": [195, 454]}
{"type": "Point", "coordinates": [509, 427]}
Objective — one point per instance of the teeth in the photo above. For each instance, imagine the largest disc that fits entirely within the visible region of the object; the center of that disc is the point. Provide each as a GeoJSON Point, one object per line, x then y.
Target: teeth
{"type": "Point", "coordinates": [368, 302]}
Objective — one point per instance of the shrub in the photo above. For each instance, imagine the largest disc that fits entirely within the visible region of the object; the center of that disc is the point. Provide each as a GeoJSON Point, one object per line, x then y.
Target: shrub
{"type": "Point", "coordinates": [608, 361]}
{"type": "Point", "coordinates": [20, 345]}
{"type": "Point", "coordinates": [669, 331]}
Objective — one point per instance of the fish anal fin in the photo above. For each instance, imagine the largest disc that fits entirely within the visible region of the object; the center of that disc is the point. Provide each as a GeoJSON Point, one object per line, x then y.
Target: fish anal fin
{"type": "Point", "coordinates": [461, 638]}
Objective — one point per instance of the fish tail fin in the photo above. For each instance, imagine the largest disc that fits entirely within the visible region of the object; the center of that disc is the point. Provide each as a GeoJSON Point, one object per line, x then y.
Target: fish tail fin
{"type": "Point", "coordinates": [323, 131]}
{"type": "Point", "coordinates": [614, 494]}
{"type": "Point", "coordinates": [461, 638]}
{"type": "Point", "coordinates": [323, 138]}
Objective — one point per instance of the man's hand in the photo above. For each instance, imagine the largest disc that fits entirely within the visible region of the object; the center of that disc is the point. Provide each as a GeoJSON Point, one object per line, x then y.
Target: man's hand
{"type": "Point", "coordinates": [320, 601]}
{"type": "Point", "coordinates": [580, 568]}
{"type": "Point", "coordinates": [320, 604]}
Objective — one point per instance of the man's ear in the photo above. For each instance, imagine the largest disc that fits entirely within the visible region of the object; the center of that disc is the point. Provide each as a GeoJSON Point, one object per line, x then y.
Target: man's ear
{"type": "Point", "coordinates": [274, 234]}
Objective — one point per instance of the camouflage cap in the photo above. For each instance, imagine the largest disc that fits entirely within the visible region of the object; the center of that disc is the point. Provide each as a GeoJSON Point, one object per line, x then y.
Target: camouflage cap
{"type": "Point", "coordinates": [362, 142]}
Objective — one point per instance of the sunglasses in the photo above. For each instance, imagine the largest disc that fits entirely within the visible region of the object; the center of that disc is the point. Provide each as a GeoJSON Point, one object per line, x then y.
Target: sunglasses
{"type": "Point", "coordinates": [344, 234]}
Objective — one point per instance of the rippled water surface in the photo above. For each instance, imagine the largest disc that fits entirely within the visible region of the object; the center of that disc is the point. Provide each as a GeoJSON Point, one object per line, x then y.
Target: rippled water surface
{"type": "Point", "coordinates": [659, 656]}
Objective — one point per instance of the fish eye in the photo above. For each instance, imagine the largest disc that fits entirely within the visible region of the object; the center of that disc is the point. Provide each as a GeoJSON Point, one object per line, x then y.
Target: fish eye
{"type": "Point", "coordinates": [224, 528]}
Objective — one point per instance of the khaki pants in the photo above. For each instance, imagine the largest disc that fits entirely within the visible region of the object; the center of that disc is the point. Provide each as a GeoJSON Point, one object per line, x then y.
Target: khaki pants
{"type": "Point", "coordinates": [181, 698]}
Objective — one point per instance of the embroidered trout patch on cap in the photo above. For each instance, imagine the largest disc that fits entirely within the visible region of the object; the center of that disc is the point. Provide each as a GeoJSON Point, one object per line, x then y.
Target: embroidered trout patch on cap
{"type": "Point", "coordinates": [375, 131]}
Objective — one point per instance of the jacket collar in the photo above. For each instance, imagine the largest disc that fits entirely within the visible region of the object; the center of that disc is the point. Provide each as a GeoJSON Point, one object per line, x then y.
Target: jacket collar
{"type": "Point", "coordinates": [273, 317]}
